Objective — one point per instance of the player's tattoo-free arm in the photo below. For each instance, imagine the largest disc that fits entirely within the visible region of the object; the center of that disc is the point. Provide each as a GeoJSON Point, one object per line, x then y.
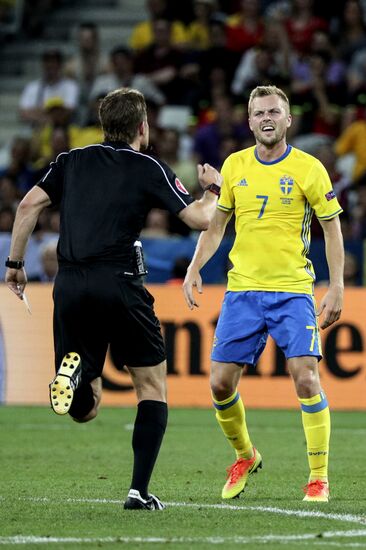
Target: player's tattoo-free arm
{"type": "Point", "coordinates": [207, 244]}
{"type": "Point", "coordinates": [25, 220]}
{"type": "Point", "coordinates": [331, 304]}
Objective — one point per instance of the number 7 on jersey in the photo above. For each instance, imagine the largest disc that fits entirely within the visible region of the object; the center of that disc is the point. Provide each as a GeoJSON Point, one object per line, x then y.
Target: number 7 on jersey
{"type": "Point", "coordinates": [264, 198]}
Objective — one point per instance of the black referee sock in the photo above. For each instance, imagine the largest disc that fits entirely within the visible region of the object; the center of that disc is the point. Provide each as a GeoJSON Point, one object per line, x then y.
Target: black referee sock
{"type": "Point", "coordinates": [148, 433]}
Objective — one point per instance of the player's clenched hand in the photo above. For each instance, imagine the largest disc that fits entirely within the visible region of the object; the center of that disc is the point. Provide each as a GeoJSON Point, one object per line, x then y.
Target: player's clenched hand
{"type": "Point", "coordinates": [207, 174]}
{"type": "Point", "coordinates": [331, 306]}
{"type": "Point", "coordinates": [192, 279]}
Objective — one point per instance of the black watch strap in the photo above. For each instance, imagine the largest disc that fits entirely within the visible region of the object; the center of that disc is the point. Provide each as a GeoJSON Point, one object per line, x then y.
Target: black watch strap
{"type": "Point", "coordinates": [215, 189]}
{"type": "Point", "coordinates": [14, 264]}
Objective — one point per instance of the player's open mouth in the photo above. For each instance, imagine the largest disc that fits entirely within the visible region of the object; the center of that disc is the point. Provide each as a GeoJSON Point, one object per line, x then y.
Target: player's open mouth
{"type": "Point", "coordinates": [267, 128]}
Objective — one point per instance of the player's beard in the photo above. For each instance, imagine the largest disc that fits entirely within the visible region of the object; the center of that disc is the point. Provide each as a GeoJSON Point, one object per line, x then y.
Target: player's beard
{"type": "Point", "coordinates": [279, 135]}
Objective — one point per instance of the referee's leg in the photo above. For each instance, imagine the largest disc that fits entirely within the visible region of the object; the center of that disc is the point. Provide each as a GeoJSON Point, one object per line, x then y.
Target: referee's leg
{"type": "Point", "coordinates": [96, 390]}
{"type": "Point", "coordinates": [150, 422]}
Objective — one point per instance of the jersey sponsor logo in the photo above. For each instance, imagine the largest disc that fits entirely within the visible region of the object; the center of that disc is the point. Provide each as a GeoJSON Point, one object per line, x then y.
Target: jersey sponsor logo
{"type": "Point", "coordinates": [179, 185]}
{"type": "Point", "coordinates": [330, 195]}
{"type": "Point", "coordinates": [286, 184]}
{"type": "Point", "coordinates": [242, 183]}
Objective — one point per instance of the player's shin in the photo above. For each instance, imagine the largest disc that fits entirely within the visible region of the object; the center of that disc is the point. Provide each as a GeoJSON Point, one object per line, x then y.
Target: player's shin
{"type": "Point", "coordinates": [316, 422]}
{"type": "Point", "coordinates": [230, 414]}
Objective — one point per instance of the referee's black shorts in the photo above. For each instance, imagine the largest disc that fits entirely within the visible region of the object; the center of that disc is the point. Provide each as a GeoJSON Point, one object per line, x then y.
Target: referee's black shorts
{"type": "Point", "coordinates": [98, 305]}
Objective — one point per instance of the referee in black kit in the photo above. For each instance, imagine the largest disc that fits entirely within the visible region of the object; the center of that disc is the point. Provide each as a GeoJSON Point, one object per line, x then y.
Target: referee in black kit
{"type": "Point", "coordinates": [105, 192]}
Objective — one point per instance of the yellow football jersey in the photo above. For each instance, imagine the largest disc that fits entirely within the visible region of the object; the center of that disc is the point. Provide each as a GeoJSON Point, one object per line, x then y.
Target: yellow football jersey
{"type": "Point", "coordinates": [273, 204]}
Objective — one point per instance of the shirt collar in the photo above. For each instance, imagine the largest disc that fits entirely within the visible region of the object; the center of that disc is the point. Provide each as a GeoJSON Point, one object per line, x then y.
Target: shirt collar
{"type": "Point", "coordinates": [118, 144]}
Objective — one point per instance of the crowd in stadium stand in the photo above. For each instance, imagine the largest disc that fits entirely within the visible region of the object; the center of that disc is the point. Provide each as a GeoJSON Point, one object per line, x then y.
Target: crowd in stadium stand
{"type": "Point", "coordinates": [196, 63]}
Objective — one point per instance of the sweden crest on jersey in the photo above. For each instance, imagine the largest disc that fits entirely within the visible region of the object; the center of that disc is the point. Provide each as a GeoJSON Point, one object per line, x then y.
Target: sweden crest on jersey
{"type": "Point", "coordinates": [286, 184]}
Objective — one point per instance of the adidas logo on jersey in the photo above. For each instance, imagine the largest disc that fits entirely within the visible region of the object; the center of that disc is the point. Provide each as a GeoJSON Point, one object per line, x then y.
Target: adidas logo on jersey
{"type": "Point", "coordinates": [242, 183]}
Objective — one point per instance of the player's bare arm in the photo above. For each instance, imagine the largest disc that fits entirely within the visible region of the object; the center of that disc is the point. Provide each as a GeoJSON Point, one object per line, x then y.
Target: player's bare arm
{"type": "Point", "coordinates": [331, 304]}
{"type": "Point", "coordinates": [207, 244]}
{"type": "Point", "coordinates": [25, 220]}
{"type": "Point", "coordinates": [198, 214]}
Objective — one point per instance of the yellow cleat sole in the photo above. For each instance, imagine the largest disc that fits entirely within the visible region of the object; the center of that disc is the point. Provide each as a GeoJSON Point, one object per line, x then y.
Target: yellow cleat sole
{"type": "Point", "coordinates": [61, 392]}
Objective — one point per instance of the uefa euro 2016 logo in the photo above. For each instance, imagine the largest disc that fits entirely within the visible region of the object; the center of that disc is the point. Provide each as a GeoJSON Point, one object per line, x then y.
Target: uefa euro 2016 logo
{"type": "Point", "coordinates": [286, 184]}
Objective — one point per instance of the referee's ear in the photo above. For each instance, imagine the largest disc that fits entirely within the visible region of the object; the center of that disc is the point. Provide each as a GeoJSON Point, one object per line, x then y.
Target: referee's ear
{"type": "Point", "coordinates": [143, 128]}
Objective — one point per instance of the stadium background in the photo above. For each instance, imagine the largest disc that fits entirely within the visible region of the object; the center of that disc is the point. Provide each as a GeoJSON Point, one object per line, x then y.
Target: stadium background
{"type": "Point", "coordinates": [197, 84]}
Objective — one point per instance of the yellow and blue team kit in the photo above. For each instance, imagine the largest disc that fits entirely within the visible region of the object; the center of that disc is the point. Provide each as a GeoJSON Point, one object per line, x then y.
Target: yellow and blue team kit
{"type": "Point", "coordinates": [272, 279]}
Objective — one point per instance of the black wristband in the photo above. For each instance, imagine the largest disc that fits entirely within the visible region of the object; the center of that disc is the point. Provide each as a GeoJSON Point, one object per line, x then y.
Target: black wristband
{"type": "Point", "coordinates": [14, 264]}
{"type": "Point", "coordinates": [215, 189]}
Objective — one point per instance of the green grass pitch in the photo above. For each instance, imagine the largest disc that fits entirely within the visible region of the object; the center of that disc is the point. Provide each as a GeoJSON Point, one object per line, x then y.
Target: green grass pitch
{"type": "Point", "coordinates": [62, 485]}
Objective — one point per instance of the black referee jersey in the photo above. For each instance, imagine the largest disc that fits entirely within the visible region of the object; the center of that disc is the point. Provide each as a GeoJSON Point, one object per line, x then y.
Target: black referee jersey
{"type": "Point", "coordinates": [105, 192]}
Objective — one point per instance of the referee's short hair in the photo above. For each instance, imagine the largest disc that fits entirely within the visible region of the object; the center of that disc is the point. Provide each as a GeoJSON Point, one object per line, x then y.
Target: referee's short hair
{"type": "Point", "coordinates": [121, 113]}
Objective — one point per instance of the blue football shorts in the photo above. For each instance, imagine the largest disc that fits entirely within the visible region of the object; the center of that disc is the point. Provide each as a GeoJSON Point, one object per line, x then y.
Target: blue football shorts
{"type": "Point", "coordinates": [247, 318]}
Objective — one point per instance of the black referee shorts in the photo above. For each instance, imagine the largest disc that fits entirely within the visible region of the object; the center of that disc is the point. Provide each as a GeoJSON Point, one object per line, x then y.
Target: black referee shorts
{"type": "Point", "coordinates": [98, 305]}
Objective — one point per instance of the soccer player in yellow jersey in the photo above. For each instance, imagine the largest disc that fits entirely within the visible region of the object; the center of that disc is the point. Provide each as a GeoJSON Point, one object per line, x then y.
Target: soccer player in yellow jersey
{"type": "Point", "coordinates": [273, 190]}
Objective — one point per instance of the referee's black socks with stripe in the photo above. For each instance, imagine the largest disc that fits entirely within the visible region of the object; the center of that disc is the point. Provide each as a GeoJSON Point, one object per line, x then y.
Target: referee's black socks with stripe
{"type": "Point", "coordinates": [148, 433]}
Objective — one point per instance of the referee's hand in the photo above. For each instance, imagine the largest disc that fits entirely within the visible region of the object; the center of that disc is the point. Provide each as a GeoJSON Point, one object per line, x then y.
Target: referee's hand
{"type": "Point", "coordinates": [192, 279]}
{"type": "Point", "coordinates": [16, 279]}
{"type": "Point", "coordinates": [207, 174]}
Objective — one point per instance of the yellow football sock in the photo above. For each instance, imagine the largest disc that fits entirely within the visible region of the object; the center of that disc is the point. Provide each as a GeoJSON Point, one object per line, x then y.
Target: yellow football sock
{"type": "Point", "coordinates": [230, 414]}
{"type": "Point", "coordinates": [316, 422]}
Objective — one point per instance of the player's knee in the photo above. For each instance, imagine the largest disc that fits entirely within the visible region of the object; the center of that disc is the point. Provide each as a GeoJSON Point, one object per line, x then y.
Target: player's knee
{"type": "Point", "coordinates": [306, 383]}
{"type": "Point", "coordinates": [221, 388]}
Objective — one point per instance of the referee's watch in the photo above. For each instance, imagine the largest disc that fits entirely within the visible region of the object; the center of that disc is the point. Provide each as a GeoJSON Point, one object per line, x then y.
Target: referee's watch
{"type": "Point", "coordinates": [215, 189]}
{"type": "Point", "coordinates": [14, 264]}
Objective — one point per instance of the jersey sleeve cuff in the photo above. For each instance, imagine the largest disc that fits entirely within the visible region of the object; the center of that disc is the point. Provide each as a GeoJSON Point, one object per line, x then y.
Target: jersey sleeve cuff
{"type": "Point", "coordinates": [330, 216]}
{"type": "Point", "coordinates": [224, 208]}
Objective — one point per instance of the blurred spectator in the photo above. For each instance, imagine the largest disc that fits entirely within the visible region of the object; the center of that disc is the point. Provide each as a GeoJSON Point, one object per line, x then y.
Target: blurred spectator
{"type": "Point", "coordinates": [157, 224]}
{"type": "Point", "coordinates": [58, 125]}
{"type": "Point", "coordinates": [317, 101]}
{"type": "Point", "coordinates": [218, 64]}
{"type": "Point", "coordinates": [358, 217]}
{"type": "Point", "coordinates": [351, 30]}
{"type": "Point", "coordinates": [351, 270]}
{"type": "Point", "coordinates": [123, 75]}
{"type": "Point", "coordinates": [9, 194]}
{"type": "Point", "coordinates": [49, 263]}
{"type": "Point", "coordinates": [35, 16]}
{"type": "Point", "coordinates": [209, 137]}
{"type": "Point", "coordinates": [352, 141]}
{"type": "Point", "coordinates": [7, 216]}
{"type": "Point", "coordinates": [86, 64]}
{"type": "Point", "coordinates": [301, 25]}
{"type": "Point", "coordinates": [174, 72]}
{"type": "Point", "coordinates": [51, 84]}
{"type": "Point", "coordinates": [92, 131]}
{"type": "Point", "coordinates": [143, 35]}
{"type": "Point", "coordinates": [168, 151]}
{"type": "Point", "coordinates": [245, 28]}
{"type": "Point", "coordinates": [19, 168]}
{"type": "Point", "coordinates": [267, 62]}
{"type": "Point", "coordinates": [198, 31]}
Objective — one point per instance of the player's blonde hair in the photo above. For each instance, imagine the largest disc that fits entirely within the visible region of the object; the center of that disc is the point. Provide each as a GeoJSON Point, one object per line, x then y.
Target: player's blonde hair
{"type": "Point", "coordinates": [262, 91]}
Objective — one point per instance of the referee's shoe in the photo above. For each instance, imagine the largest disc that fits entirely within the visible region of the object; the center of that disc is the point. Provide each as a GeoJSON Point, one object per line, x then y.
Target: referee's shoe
{"type": "Point", "coordinates": [136, 502]}
{"type": "Point", "coordinates": [64, 384]}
